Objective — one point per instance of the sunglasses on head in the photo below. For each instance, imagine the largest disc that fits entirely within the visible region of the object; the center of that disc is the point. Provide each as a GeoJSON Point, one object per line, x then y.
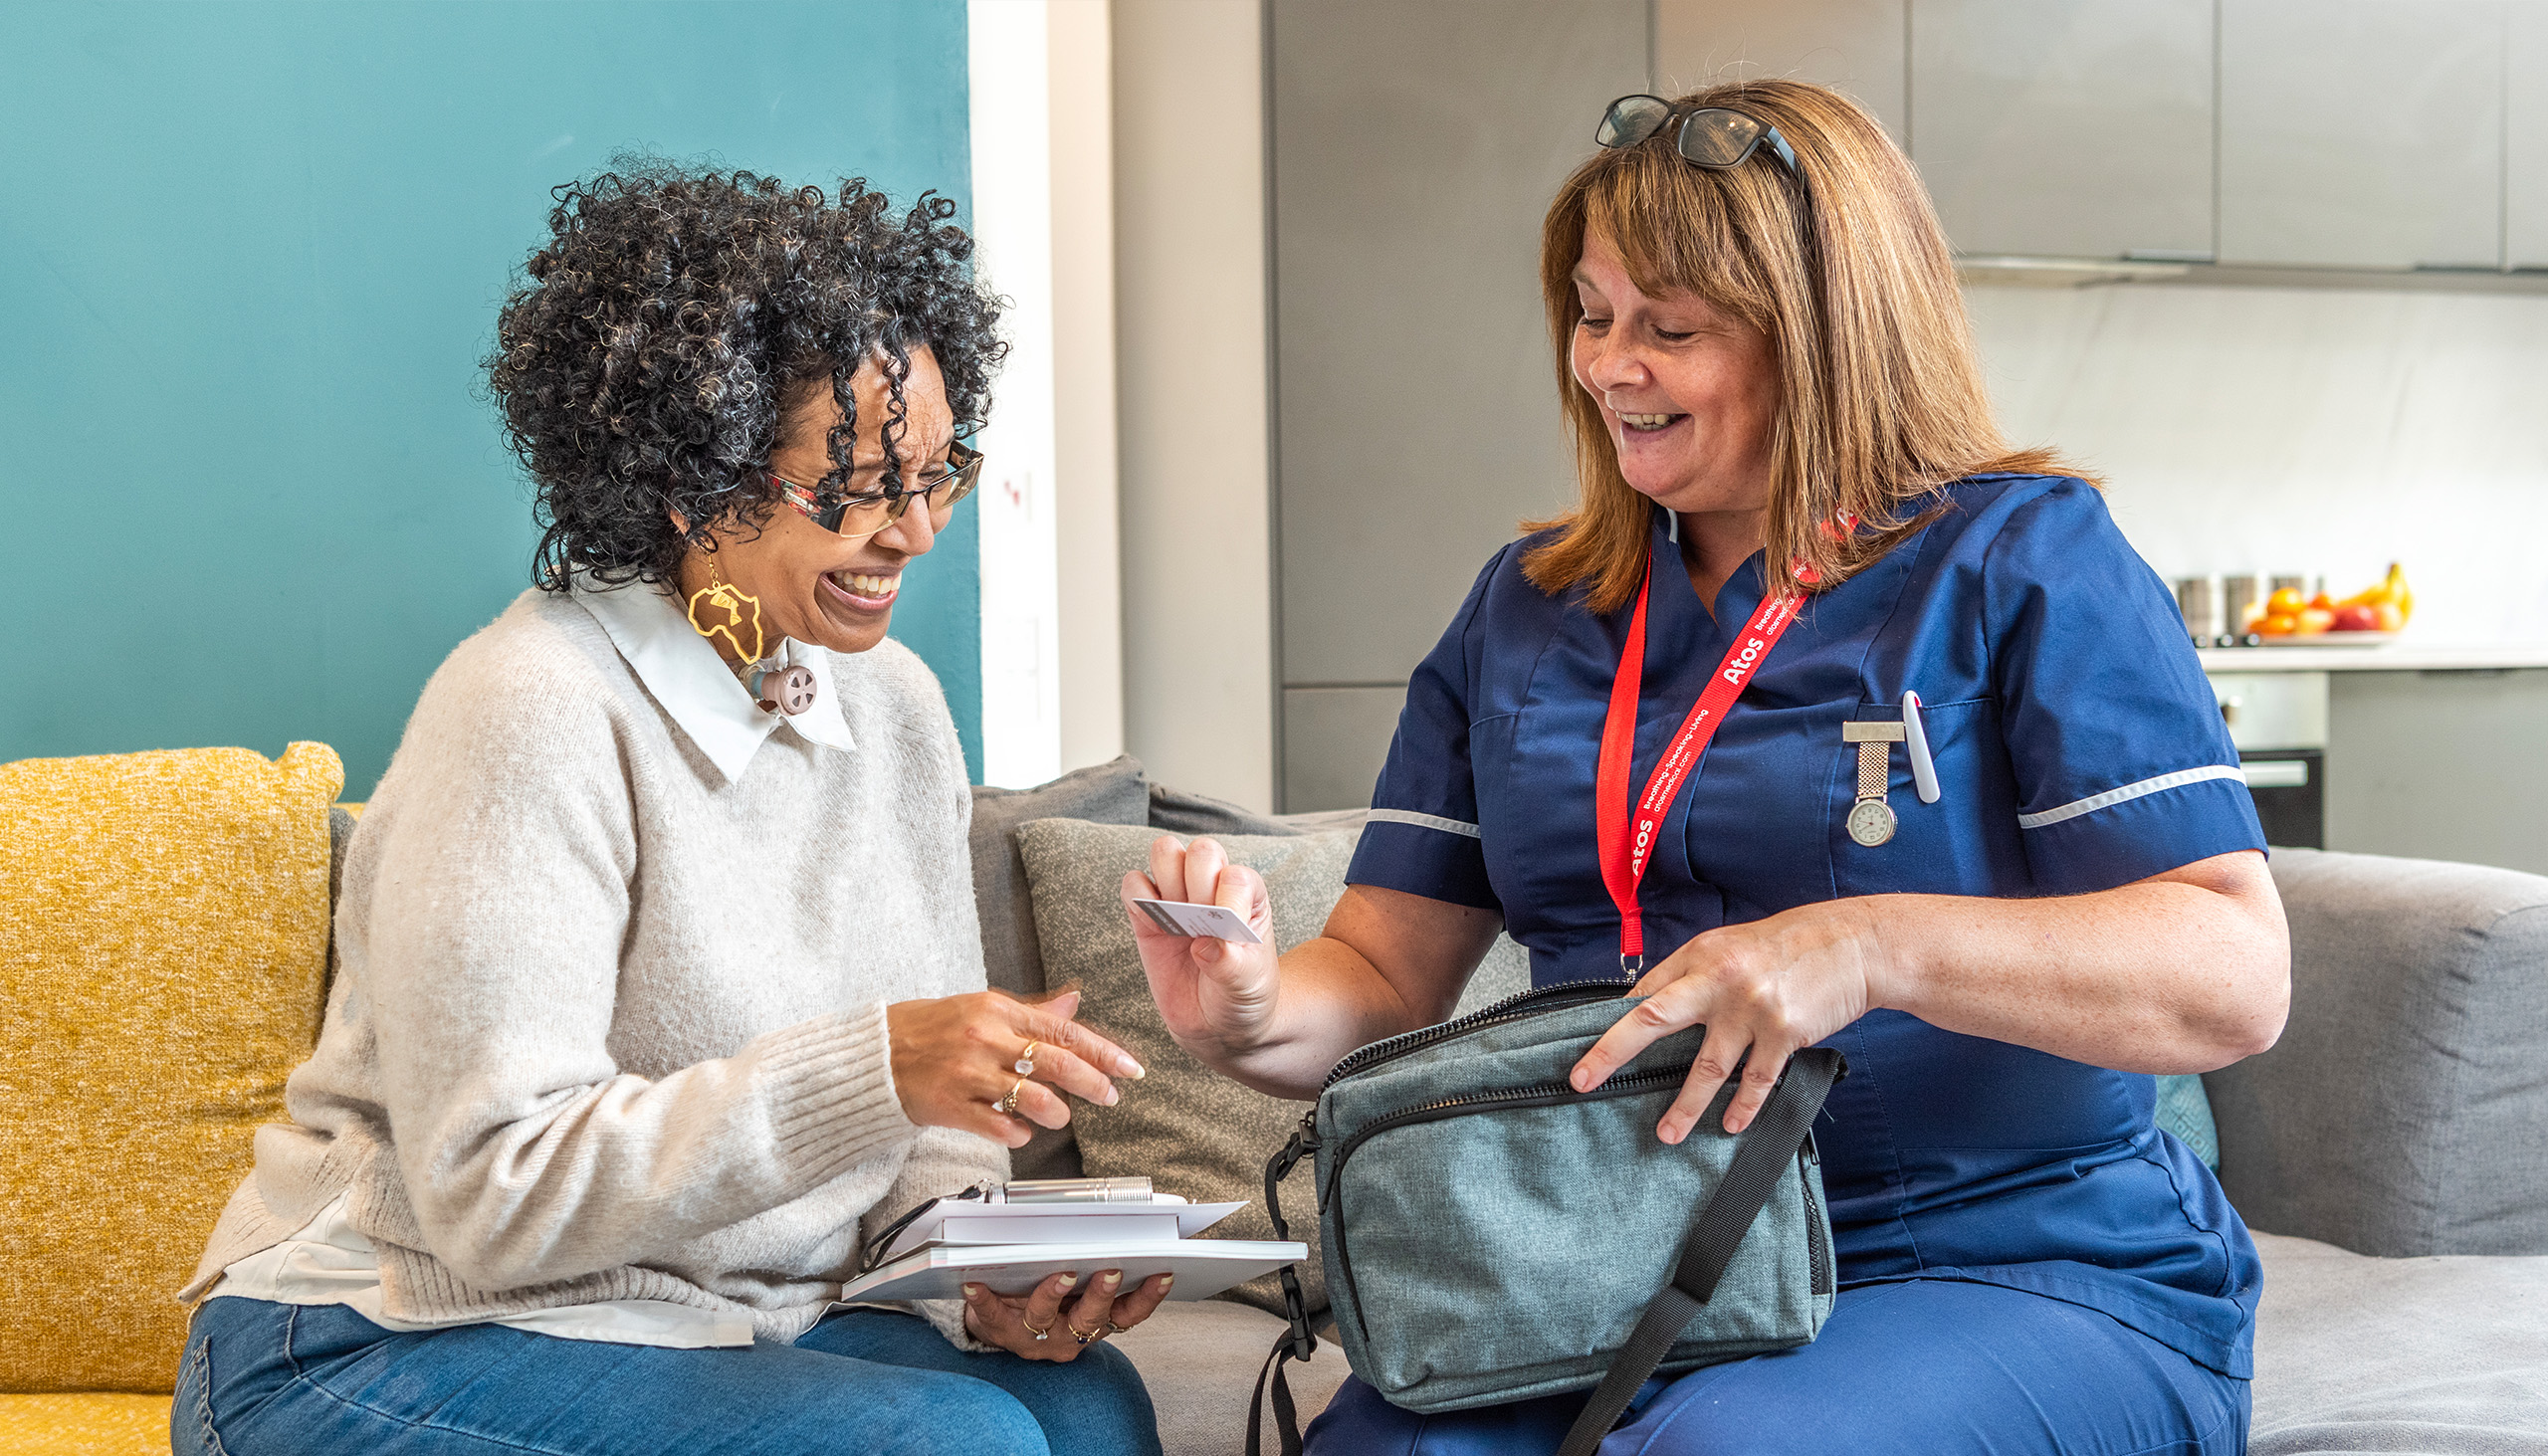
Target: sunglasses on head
{"type": "Point", "coordinates": [1715, 138]}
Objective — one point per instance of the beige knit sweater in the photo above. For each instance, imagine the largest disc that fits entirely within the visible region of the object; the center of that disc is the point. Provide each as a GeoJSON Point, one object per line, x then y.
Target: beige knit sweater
{"type": "Point", "coordinates": [609, 1027]}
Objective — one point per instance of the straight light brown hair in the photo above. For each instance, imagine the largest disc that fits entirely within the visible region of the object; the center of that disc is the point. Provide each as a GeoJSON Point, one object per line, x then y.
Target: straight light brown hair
{"type": "Point", "coordinates": [1881, 397]}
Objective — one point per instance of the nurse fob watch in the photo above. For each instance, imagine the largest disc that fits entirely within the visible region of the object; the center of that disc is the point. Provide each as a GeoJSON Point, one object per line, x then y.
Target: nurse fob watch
{"type": "Point", "coordinates": [1872, 820]}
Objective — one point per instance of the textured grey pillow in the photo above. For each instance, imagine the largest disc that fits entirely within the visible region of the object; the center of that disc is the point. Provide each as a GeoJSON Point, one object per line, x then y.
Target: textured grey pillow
{"type": "Point", "coordinates": [1110, 793]}
{"type": "Point", "coordinates": [1188, 1129]}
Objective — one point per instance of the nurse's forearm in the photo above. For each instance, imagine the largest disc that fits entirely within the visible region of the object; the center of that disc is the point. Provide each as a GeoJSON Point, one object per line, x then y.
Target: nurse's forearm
{"type": "Point", "coordinates": [2183, 973]}
{"type": "Point", "coordinates": [1388, 962]}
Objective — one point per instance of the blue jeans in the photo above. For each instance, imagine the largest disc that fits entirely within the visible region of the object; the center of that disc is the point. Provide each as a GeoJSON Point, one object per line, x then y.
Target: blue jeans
{"type": "Point", "coordinates": [272, 1380]}
{"type": "Point", "coordinates": [1938, 1367]}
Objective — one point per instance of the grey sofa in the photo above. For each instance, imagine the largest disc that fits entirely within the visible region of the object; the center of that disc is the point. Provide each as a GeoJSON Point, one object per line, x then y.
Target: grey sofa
{"type": "Point", "coordinates": [2394, 1144]}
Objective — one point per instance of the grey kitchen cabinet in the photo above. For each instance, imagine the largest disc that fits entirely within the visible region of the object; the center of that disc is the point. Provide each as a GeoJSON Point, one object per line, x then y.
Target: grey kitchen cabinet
{"type": "Point", "coordinates": [1853, 46]}
{"type": "Point", "coordinates": [1414, 150]}
{"type": "Point", "coordinates": [2362, 134]}
{"type": "Point", "coordinates": [2081, 128]}
{"type": "Point", "coordinates": [2526, 136]}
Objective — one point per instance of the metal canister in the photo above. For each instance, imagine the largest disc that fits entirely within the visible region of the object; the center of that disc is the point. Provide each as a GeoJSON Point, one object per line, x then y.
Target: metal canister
{"type": "Point", "coordinates": [2199, 605]}
{"type": "Point", "coordinates": [2238, 602]}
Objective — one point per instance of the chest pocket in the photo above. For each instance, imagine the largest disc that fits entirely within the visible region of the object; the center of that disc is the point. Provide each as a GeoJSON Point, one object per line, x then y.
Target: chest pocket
{"type": "Point", "coordinates": [1963, 844]}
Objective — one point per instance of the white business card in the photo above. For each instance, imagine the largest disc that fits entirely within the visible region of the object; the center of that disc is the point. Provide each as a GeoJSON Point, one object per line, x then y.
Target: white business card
{"type": "Point", "coordinates": [1178, 918]}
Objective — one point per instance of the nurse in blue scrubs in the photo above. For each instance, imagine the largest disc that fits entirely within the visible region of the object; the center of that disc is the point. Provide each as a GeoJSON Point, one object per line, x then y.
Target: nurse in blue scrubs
{"type": "Point", "coordinates": [1774, 397]}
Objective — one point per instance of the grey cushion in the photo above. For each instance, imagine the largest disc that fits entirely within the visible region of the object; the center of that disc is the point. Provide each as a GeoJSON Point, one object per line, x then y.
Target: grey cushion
{"type": "Point", "coordinates": [1110, 793]}
{"type": "Point", "coordinates": [2404, 1110]}
{"type": "Point", "coordinates": [1190, 1129]}
{"type": "Point", "coordinates": [1182, 813]}
{"type": "Point", "coordinates": [2444, 1355]}
{"type": "Point", "coordinates": [1199, 1362]}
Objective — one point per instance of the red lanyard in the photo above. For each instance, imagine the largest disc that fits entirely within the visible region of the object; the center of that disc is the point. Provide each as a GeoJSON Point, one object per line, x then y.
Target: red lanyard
{"type": "Point", "coordinates": [1626, 850]}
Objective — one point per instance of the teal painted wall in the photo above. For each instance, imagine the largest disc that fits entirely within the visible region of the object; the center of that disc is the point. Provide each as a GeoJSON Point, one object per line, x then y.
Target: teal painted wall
{"type": "Point", "coordinates": [250, 256]}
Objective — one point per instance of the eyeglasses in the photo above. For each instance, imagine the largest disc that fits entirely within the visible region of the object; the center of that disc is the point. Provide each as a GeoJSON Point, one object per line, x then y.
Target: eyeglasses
{"type": "Point", "coordinates": [1709, 136]}
{"type": "Point", "coordinates": [861, 515]}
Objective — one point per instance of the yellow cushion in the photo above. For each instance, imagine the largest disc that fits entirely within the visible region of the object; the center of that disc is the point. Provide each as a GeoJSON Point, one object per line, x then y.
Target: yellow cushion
{"type": "Point", "coordinates": [84, 1425]}
{"type": "Point", "coordinates": [163, 936]}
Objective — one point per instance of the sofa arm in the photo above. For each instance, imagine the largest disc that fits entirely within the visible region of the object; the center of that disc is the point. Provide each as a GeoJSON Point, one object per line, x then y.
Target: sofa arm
{"type": "Point", "coordinates": [2404, 1112]}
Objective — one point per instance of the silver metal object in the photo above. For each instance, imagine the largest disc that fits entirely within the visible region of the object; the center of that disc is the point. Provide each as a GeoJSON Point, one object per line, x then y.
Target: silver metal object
{"type": "Point", "coordinates": [1871, 821]}
{"type": "Point", "coordinates": [1073, 1191]}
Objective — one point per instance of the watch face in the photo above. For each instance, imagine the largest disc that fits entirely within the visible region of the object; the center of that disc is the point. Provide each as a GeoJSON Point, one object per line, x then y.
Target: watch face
{"type": "Point", "coordinates": [1870, 822]}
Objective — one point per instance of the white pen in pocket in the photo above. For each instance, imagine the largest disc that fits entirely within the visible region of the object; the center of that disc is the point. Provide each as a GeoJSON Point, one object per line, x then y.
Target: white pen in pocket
{"type": "Point", "coordinates": [1915, 735]}
{"type": "Point", "coordinates": [1178, 918]}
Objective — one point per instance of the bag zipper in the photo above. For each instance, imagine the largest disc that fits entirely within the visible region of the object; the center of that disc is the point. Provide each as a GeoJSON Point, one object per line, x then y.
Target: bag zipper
{"type": "Point", "coordinates": [1550, 1094]}
{"type": "Point", "coordinates": [1526, 1003]}
{"type": "Point", "coordinates": [1826, 1278]}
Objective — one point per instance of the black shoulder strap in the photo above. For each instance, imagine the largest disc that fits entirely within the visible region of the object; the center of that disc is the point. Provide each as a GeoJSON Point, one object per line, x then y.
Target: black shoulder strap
{"type": "Point", "coordinates": [1299, 1342]}
{"type": "Point", "coordinates": [1761, 1154]}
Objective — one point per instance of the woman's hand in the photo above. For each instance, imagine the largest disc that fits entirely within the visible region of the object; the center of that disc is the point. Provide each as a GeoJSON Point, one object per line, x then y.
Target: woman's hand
{"type": "Point", "coordinates": [1216, 996]}
{"type": "Point", "coordinates": [1104, 1308]}
{"type": "Point", "coordinates": [955, 1059]}
{"type": "Point", "coordinates": [1768, 988]}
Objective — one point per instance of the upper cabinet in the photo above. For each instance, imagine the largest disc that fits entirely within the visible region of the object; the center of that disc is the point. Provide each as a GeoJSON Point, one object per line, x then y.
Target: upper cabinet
{"type": "Point", "coordinates": [2080, 128]}
{"type": "Point", "coordinates": [2363, 133]}
{"type": "Point", "coordinates": [2526, 137]}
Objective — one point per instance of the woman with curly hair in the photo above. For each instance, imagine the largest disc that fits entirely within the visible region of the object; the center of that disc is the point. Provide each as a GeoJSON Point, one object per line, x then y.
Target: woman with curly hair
{"type": "Point", "coordinates": [661, 991]}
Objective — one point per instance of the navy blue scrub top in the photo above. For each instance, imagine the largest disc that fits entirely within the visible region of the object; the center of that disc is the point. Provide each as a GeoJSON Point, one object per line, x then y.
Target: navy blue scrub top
{"type": "Point", "coordinates": [2077, 748]}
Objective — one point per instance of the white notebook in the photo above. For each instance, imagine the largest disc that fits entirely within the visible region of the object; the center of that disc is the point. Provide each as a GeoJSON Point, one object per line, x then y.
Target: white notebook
{"type": "Point", "coordinates": [1203, 1267]}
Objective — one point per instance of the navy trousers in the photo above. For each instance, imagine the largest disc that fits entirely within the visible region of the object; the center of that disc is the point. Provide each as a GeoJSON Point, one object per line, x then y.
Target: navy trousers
{"type": "Point", "coordinates": [1939, 1367]}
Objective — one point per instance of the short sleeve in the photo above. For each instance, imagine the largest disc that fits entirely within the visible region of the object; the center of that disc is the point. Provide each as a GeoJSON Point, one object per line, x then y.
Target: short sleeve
{"type": "Point", "coordinates": [1422, 834]}
{"type": "Point", "coordinates": [2123, 766]}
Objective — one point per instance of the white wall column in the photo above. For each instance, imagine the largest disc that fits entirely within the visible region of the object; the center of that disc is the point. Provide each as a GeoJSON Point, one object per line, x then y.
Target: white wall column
{"type": "Point", "coordinates": [1043, 214]}
{"type": "Point", "coordinates": [1190, 308]}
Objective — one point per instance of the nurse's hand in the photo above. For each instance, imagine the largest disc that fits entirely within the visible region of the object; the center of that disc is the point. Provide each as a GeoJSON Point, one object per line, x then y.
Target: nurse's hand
{"type": "Point", "coordinates": [1764, 989]}
{"type": "Point", "coordinates": [1216, 996]}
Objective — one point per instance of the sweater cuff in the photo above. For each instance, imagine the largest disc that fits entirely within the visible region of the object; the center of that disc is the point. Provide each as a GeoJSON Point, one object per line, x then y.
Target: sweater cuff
{"type": "Point", "coordinates": [829, 1085]}
{"type": "Point", "coordinates": [948, 1317]}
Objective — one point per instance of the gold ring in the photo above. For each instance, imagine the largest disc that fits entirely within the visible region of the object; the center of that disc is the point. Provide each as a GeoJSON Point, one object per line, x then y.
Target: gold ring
{"type": "Point", "coordinates": [1009, 1104]}
{"type": "Point", "coordinates": [1042, 1333]}
{"type": "Point", "coordinates": [1025, 1064]}
{"type": "Point", "coordinates": [1085, 1337]}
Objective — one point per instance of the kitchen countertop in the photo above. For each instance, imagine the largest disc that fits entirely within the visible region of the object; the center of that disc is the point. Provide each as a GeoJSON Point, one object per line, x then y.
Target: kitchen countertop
{"type": "Point", "coordinates": [2393, 657]}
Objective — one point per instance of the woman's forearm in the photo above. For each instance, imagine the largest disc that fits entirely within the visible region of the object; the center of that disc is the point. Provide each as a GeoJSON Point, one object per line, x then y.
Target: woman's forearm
{"type": "Point", "coordinates": [2184, 972]}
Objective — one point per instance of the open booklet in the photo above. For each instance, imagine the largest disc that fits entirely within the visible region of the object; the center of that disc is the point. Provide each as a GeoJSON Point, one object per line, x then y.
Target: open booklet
{"type": "Point", "coordinates": [1012, 1247]}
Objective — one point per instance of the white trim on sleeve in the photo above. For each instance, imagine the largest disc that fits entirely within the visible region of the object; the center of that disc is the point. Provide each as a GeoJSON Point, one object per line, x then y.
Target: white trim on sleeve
{"type": "Point", "coordinates": [2129, 791]}
{"type": "Point", "coordinates": [1426, 821]}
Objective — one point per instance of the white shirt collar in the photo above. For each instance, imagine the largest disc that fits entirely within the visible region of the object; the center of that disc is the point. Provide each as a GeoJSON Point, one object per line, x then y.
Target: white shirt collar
{"type": "Point", "coordinates": [696, 687]}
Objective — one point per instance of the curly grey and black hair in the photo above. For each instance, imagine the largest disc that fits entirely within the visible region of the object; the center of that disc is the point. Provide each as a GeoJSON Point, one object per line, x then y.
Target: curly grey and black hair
{"type": "Point", "coordinates": [642, 365]}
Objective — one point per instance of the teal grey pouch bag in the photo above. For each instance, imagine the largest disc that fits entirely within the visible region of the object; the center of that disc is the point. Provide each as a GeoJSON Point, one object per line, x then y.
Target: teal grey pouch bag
{"type": "Point", "coordinates": [1491, 1234]}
